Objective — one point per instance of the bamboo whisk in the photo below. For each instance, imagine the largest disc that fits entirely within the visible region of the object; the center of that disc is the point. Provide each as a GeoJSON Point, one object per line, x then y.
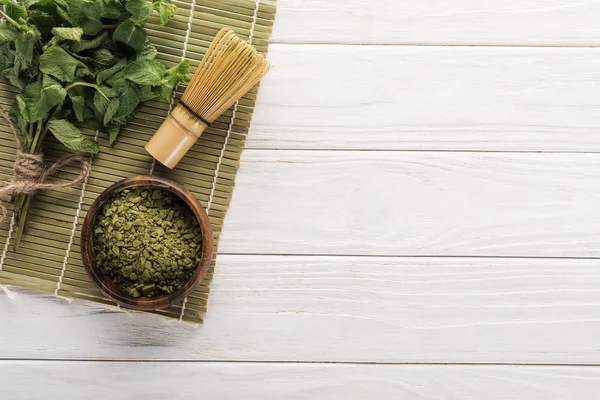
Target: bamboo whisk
{"type": "Point", "coordinates": [228, 70]}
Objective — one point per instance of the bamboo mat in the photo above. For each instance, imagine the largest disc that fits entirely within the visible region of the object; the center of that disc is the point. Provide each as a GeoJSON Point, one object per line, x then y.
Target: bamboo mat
{"type": "Point", "coordinates": [49, 257]}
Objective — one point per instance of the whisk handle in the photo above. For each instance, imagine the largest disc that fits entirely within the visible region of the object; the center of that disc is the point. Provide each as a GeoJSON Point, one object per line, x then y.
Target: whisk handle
{"type": "Point", "coordinates": [175, 137]}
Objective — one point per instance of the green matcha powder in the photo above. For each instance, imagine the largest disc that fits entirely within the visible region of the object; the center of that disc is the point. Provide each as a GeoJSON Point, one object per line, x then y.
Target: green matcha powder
{"type": "Point", "coordinates": [148, 241]}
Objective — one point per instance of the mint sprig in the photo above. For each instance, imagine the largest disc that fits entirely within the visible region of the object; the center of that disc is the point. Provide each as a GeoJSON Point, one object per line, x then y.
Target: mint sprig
{"type": "Point", "coordinates": [55, 48]}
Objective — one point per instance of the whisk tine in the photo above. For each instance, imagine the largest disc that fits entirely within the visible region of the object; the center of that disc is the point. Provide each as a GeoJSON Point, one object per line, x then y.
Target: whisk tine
{"type": "Point", "coordinates": [229, 69]}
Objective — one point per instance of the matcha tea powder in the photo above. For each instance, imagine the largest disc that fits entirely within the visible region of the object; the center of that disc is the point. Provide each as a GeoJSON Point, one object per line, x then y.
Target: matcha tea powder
{"type": "Point", "coordinates": [148, 241]}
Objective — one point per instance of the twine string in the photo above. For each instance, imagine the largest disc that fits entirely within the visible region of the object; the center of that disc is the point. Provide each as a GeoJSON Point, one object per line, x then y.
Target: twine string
{"type": "Point", "coordinates": [31, 174]}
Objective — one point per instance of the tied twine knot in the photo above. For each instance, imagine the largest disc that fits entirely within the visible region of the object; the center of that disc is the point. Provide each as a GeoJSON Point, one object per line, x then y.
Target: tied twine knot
{"type": "Point", "coordinates": [31, 174]}
{"type": "Point", "coordinates": [28, 167]}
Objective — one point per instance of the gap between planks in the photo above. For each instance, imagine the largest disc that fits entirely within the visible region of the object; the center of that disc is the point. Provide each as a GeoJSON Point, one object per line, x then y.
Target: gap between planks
{"type": "Point", "coordinates": [346, 255]}
{"type": "Point", "coordinates": [520, 46]}
{"type": "Point", "coordinates": [258, 148]}
{"type": "Point", "coordinates": [227, 381]}
{"type": "Point", "coordinates": [9, 360]}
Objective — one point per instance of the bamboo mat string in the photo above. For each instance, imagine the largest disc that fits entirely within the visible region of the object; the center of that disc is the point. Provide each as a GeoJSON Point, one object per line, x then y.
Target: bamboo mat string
{"type": "Point", "coordinates": [172, 103]}
{"type": "Point", "coordinates": [8, 238]}
{"type": "Point", "coordinates": [183, 56]}
{"type": "Point", "coordinates": [75, 223]}
{"type": "Point", "coordinates": [232, 121]}
{"type": "Point", "coordinates": [227, 136]}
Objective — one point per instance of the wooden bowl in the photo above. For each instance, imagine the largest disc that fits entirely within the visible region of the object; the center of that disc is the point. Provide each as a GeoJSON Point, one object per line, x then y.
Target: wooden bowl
{"type": "Point", "coordinates": [106, 284]}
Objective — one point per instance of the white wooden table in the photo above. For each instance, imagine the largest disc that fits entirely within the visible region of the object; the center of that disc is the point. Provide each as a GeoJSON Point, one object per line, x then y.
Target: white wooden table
{"type": "Point", "coordinates": [416, 217]}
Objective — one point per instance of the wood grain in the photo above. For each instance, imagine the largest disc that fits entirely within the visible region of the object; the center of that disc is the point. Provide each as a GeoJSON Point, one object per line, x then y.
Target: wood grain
{"type": "Point", "coordinates": [415, 204]}
{"type": "Point", "coordinates": [340, 309]}
{"type": "Point", "coordinates": [429, 98]}
{"type": "Point", "coordinates": [123, 381]}
{"type": "Point", "coordinates": [471, 22]}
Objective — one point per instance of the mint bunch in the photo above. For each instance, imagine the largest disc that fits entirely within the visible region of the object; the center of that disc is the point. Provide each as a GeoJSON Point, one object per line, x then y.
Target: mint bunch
{"type": "Point", "coordinates": [81, 63]}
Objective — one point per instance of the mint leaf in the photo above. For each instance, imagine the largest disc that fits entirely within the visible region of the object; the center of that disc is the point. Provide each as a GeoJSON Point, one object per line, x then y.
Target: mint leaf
{"type": "Point", "coordinates": [104, 57]}
{"type": "Point", "coordinates": [91, 12]}
{"type": "Point", "coordinates": [40, 97]}
{"type": "Point", "coordinates": [113, 9]}
{"type": "Point", "coordinates": [52, 95]}
{"type": "Point", "coordinates": [145, 72]}
{"type": "Point", "coordinates": [83, 73]}
{"type": "Point", "coordinates": [44, 21]}
{"type": "Point", "coordinates": [96, 42]}
{"type": "Point", "coordinates": [102, 98]}
{"type": "Point", "coordinates": [165, 9]}
{"type": "Point", "coordinates": [129, 98]}
{"type": "Point", "coordinates": [67, 33]}
{"type": "Point", "coordinates": [65, 16]}
{"type": "Point", "coordinates": [131, 35]}
{"type": "Point", "coordinates": [146, 93]}
{"type": "Point", "coordinates": [78, 105]}
{"type": "Point", "coordinates": [7, 59]}
{"type": "Point", "coordinates": [85, 60]}
{"type": "Point", "coordinates": [61, 113]}
{"type": "Point", "coordinates": [68, 10]}
{"type": "Point", "coordinates": [16, 114]}
{"type": "Point", "coordinates": [113, 133]}
{"type": "Point", "coordinates": [46, 6]}
{"type": "Point", "coordinates": [15, 10]}
{"type": "Point", "coordinates": [148, 52]}
{"type": "Point", "coordinates": [73, 6]}
{"type": "Point", "coordinates": [24, 50]}
{"type": "Point", "coordinates": [58, 63]}
{"type": "Point", "coordinates": [107, 73]}
{"type": "Point", "coordinates": [15, 80]}
{"type": "Point", "coordinates": [20, 106]}
{"type": "Point", "coordinates": [72, 137]}
{"type": "Point", "coordinates": [7, 34]}
{"type": "Point", "coordinates": [30, 97]}
{"type": "Point", "coordinates": [179, 73]}
{"type": "Point", "coordinates": [114, 128]}
{"type": "Point", "coordinates": [29, 3]}
{"type": "Point", "coordinates": [140, 10]}
{"type": "Point", "coordinates": [111, 110]}
{"type": "Point", "coordinates": [117, 82]}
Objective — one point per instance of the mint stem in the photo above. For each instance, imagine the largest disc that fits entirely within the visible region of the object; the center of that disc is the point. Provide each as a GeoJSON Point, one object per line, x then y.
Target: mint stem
{"type": "Point", "coordinates": [9, 19]}
{"type": "Point", "coordinates": [30, 134]}
{"type": "Point", "coordinates": [88, 85]}
{"type": "Point", "coordinates": [24, 200]}
{"type": "Point", "coordinates": [36, 138]}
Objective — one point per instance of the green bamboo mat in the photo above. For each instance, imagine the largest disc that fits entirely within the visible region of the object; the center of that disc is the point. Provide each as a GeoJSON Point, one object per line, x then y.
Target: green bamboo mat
{"type": "Point", "coordinates": [49, 258]}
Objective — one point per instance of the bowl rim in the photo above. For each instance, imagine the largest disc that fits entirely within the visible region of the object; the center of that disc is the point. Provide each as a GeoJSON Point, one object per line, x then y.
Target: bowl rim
{"type": "Point", "coordinates": [106, 284]}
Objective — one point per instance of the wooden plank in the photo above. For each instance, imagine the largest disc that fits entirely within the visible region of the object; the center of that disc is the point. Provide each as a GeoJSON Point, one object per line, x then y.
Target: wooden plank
{"type": "Point", "coordinates": [339, 309]}
{"type": "Point", "coordinates": [68, 380]}
{"type": "Point", "coordinates": [415, 204]}
{"type": "Point", "coordinates": [473, 22]}
{"type": "Point", "coordinates": [429, 98]}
